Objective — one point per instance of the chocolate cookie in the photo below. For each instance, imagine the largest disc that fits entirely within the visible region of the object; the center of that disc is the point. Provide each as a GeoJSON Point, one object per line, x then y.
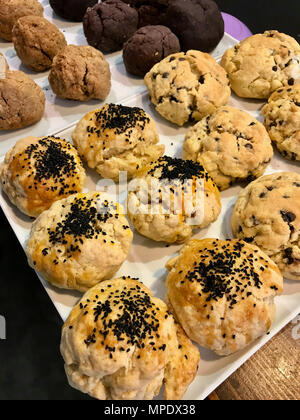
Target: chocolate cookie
{"type": "Point", "coordinates": [150, 15]}
{"type": "Point", "coordinates": [148, 46]}
{"type": "Point", "coordinates": [71, 9]}
{"type": "Point", "coordinates": [197, 23]}
{"type": "Point", "coordinates": [108, 25]}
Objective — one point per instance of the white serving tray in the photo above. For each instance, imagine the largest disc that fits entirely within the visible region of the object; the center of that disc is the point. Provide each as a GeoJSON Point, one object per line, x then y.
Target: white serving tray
{"type": "Point", "coordinates": [60, 113]}
{"type": "Point", "coordinates": [147, 258]}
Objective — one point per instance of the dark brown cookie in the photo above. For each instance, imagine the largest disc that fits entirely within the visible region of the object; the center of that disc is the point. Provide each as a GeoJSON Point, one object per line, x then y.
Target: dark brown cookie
{"type": "Point", "coordinates": [148, 46]}
{"type": "Point", "coordinates": [108, 25]}
{"type": "Point", "coordinates": [71, 9]}
{"type": "Point", "coordinates": [197, 23]}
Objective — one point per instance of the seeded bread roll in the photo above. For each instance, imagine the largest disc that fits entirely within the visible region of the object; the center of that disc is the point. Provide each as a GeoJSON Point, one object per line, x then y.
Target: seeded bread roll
{"type": "Point", "coordinates": [79, 241]}
{"type": "Point", "coordinates": [39, 171]}
{"type": "Point", "coordinates": [117, 138]}
{"type": "Point", "coordinates": [267, 214]}
{"type": "Point", "coordinates": [171, 198]}
{"type": "Point", "coordinates": [222, 293]}
{"type": "Point", "coordinates": [121, 343]}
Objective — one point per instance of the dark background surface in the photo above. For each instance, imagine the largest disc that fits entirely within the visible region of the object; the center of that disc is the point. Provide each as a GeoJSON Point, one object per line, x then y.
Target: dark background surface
{"type": "Point", "coordinates": [30, 363]}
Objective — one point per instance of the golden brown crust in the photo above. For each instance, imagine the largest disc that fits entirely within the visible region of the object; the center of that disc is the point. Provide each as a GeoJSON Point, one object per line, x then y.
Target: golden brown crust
{"type": "Point", "coordinates": [39, 171]}
{"type": "Point", "coordinates": [170, 198]}
{"type": "Point", "coordinates": [263, 63]}
{"type": "Point", "coordinates": [120, 342]}
{"type": "Point", "coordinates": [22, 101]}
{"type": "Point", "coordinates": [187, 86]}
{"type": "Point", "coordinates": [116, 138]}
{"type": "Point", "coordinates": [37, 42]}
{"type": "Point", "coordinates": [222, 293]}
{"type": "Point", "coordinates": [12, 10]}
{"type": "Point", "coordinates": [80, 73]}
{"type": "Point", "coordinates": [79, 241]}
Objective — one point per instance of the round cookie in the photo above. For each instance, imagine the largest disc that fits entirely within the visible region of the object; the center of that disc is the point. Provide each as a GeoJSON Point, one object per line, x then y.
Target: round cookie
{"type": "Point", "coordinates": [39, 171]}
{"type": "Point", "coordinates": [282, 120]}
{"type": "Point", "coordinates": [12, 10]}
{"type": "Point", "coordinates": [231, 145]}
{"type": "Point", "coordinates": [267, 214]}
{"type": "Point", "coordinates": [107, 26]}
{"type": "Point", "coordinates": [171, 198]}
{"type": "Point", "coordinates": [122, 343]}
{"type": "Point", "coordinates": [22, 101]}
{"type": "Point", "coordinates": [117, 138]}
{"type": "Point", "coordinates": [37, 41]}
{"type": "Point", "coordinates": [263, 63]}
{"type": "Point", "coordinates": [222, 293]}
{"type": "Point", "coordinates": [80, 241]}
{"type": "Point", "coordinates": [187, 87]}
{"type": "Point", "coordinates": [80, 73]}
{"type": "Point", "coordinates": [71, 9]}
{"type": "Point", "coordinates": [148, 46]}
{"type": "Point", "coordinates": [197, 23]}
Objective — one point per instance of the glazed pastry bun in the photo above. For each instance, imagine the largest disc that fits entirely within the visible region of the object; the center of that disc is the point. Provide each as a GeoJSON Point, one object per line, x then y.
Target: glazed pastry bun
{"type": "Point", "coordinates": [80, 241]}
{"type": "Point", "coordinates": [222, 293]}
{"type": "Point", "coordinates": [171, 198]}
{"type": "Point", "coordinates": [121, 343]}
{"type": "Point", "coordinates": [39, 171]}
{"type": "Point", "coordinates": [117, 138]}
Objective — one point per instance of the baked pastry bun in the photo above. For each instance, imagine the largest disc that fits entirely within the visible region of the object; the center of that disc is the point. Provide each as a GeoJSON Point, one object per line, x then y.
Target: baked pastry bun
{"type": "Point", "coordinates": [79, 241]}
{"type": "Point", "coordinates": [222, 293]}
{"type": "Point", "coordinates": [262, 63]}
{"type": "Point", "coordinates": [267, 214]}
{"type": "Point", "coordinates": [117, 138]}
{"type": "Point", "coordinates": [121, 343]}
{"type": "Point", "coordinates": [231, 145]}
{"type": "Point", "coordinates": [172, 197]}
{"type": "Point", "coordinates": [39, 171]}
{"type": "Point", "coordinates": [186, 87]}
{"type": "Point", "coordinates": [282, 120]}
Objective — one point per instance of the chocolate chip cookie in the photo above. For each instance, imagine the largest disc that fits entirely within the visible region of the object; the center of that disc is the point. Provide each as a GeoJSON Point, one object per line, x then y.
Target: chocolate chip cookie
{"type": "Point", "coordinates": [263, 63]}
{"type": "Point", "coordinates": [267, 214]}
{"type": "Point", "coordinates": [187, 86]}
{"type": "Point", "coordinates": [231, 145]}
{"type": "Point", "coordinates": [282, 120]}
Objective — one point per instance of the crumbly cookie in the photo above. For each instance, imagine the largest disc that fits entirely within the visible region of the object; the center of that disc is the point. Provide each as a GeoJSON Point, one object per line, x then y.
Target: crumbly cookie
{"type": "Point", "coordinates": [12, 10]}
{"type": "Point", "coordinates": [109, 24]}
{"type": "Point", "coordinates": [72, 9]}
{"type": "Point", "coordinates": [22, 101]}
{"type": "Point", "coordinates": [37, 41]}
{"type": "Point", "coordinates": [39, 171]}
{"type": "Point", "coordinates": [148, 46]}
{"type": "Point", "coordinates": [80, 241]}
{"type": "Point", "coordinates": [121, 343]}
{"type": "Point", "coordinates": [117, 138]}
{"type": "Point", "coordinates": [222, 293]}
{"type": "Point", "coordinates": [231, 145]}
{"type": "Point", "coordinates": [263, 63]}
{"type": "Point", "coordinates": [187, 87]}
{"type": "Point", "coordinates": [171, 198]}
{"type": "Point", "coordinates": [267, 213]}
{"type": "Point", "coordinates": [282, 120]}
{"type": "Point", "coordinates": [80, 73]}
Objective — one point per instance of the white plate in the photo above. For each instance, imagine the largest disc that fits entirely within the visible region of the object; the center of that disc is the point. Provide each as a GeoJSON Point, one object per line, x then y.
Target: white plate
{"type": "Point", "coordinates": [60, 113]}
{"type": "Point", "coordinates": [147, 259]}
